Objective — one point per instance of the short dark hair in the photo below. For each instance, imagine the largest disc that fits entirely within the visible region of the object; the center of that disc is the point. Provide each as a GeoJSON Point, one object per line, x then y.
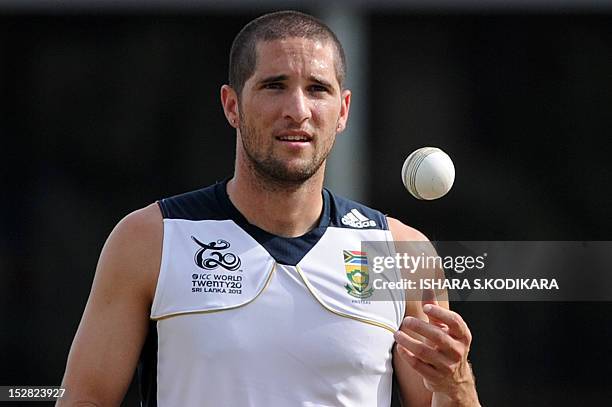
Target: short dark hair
{"type": "Point", "coordinates": [274, 26]}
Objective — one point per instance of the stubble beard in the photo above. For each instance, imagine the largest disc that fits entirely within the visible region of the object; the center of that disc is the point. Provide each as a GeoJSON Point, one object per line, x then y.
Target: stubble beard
{"type": "Point", "coordinates": [274, 170]}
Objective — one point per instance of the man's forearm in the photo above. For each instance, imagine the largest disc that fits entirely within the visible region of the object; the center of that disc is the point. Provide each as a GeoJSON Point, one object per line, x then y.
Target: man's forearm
{"type": "Point", "coordinates": [467, 399]}
{"type": "Point", "coordinates": [465, 395]}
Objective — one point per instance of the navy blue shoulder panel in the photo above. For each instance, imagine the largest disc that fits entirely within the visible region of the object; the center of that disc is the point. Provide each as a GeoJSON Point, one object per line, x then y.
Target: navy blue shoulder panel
{"type": "Point", "coordinates": [346, 213]}
{"type": "Point", "coordinates": [203, 204]}
{"type": "Point", "coordinates": [212, 203]}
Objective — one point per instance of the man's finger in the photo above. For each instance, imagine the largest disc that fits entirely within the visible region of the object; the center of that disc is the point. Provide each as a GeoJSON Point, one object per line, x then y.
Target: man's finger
{"type": "Point", "coordinates": [428, 296]}
{"type": "Point", "coordinates": [437, 336]}
{"type": "Point", "coordinates": [424, 369]}
{"type": "Point", "coordinates": [457, 328]}
{"type": "Point", "coordinates": [422, 351]}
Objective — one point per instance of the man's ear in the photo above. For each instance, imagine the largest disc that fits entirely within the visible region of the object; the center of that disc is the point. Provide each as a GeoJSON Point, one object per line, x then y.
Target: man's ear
{"type": "Point", "coordinates": [344, 110]}
{"type": "Point", "coordinates": [229, 101]}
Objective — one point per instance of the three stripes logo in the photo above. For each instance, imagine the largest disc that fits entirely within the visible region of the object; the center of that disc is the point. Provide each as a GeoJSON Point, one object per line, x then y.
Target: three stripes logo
{"type": "Point", "coordinates": [356, 268]}
{"type": "Point", "coordinates": [356, 219]}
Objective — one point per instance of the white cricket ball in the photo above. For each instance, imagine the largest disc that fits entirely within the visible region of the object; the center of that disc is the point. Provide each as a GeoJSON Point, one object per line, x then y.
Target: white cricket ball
{"type": "Point", "coordinates": [428, 173]}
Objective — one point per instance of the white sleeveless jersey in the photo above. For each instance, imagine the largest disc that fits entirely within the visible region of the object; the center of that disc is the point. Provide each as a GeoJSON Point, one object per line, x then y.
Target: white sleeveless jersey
{"type": "Point", "coordinates": [242, 317]}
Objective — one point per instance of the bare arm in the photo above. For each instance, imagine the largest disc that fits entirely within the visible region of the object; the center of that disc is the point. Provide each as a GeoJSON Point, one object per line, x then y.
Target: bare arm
{"type": "Point", "coordinates": [107, 345]}
{"type": "Point", "coordinates": [430, 356]}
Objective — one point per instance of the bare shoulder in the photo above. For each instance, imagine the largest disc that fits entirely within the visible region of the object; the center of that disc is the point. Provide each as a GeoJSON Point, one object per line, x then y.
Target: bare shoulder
{"type": "Point", "coordinates": [145, 223]}
{"type": "Point", "coordinates": [133, 249]}
{"type": "Point", "coordinates": [402, 232]}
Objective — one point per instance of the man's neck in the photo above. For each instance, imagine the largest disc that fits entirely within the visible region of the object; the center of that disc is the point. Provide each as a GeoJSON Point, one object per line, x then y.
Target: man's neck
{"type": "Point", "coordinates": [287, 211]}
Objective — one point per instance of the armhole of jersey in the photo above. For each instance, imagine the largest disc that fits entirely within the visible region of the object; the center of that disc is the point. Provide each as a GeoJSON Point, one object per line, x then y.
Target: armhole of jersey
{"type": "Point", "coordinates": [162, 208]}
{"type": "Point", "coordinates": [162, 274]}
{"type": "Point", "coordinates": [403, 299]}
{"type": "Point", "coordinates": [386, 222]}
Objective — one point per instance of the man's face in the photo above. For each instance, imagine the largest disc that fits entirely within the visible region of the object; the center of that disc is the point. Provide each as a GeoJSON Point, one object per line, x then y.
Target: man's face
{"type": "Point", "coordinates": [290, 109]}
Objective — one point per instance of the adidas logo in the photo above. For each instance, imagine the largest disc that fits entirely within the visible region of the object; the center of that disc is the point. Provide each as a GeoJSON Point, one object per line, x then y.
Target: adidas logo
{"type": "Point", "coordinates": [356, 220]}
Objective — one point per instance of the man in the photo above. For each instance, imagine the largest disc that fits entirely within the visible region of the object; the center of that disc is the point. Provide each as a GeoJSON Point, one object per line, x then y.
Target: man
{"type": "Point", "coordinates": [234, 295]}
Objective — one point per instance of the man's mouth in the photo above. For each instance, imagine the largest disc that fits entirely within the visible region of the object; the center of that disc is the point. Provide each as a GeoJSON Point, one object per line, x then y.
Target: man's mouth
{"type": "Point", "coordinates": [294, 136]}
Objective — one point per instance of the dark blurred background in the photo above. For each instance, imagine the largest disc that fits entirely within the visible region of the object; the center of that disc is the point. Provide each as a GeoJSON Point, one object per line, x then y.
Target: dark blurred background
{"type": "Point", "coordinates": [106, 109]}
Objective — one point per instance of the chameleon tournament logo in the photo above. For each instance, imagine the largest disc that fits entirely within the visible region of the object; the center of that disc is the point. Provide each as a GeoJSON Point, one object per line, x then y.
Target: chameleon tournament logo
{"type": "Point", "coordinates": [356, 268]}
{"type": "Point", "coordinates": [216, 258]}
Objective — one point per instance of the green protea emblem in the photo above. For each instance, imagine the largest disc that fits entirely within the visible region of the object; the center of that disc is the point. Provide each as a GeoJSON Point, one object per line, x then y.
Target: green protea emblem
{"type": "Point", "coordinates": [356, 267]}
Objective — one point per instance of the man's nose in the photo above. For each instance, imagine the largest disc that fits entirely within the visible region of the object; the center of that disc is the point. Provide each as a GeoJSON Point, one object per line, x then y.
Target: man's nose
{"type": "Point", "coordinates": [297, 106]}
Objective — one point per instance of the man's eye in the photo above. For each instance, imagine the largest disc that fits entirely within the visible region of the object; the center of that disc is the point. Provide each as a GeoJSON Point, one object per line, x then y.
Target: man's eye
{"type": "Point", "coordinates": [274, 85]}
{"type": "Point", "coordinates": [317, 88]}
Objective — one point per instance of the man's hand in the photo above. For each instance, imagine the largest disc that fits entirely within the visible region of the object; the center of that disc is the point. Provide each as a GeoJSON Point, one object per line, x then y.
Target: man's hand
{"type": "Point", "coordinates": [438, 349]}
{"type": "Point", "coordinates": [430, 358]}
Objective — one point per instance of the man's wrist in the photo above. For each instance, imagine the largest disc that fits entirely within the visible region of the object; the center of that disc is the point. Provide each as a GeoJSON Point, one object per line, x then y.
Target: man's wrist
{"type": "Point", "coordinates": [466, 396]}
{"type": "Point", "coordinates": [463, 394]}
